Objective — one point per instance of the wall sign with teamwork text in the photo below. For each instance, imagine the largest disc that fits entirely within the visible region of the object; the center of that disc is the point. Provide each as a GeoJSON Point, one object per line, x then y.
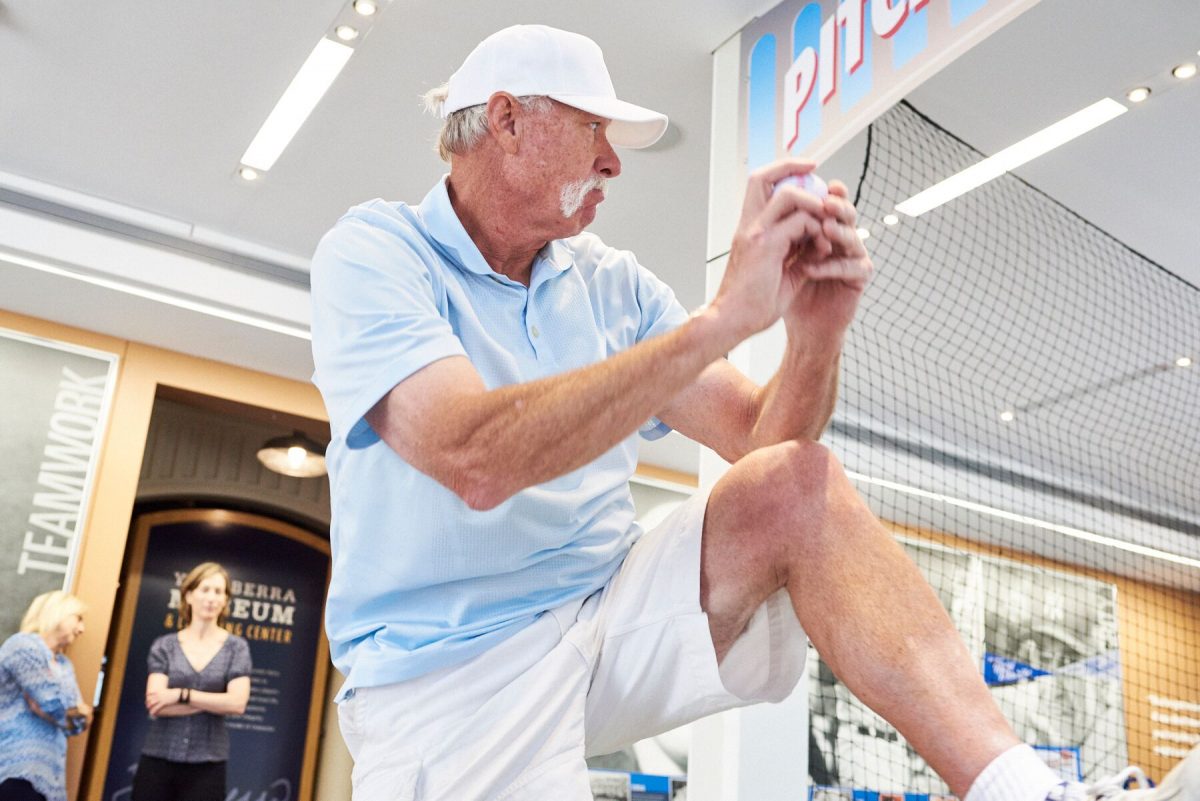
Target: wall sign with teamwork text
{"type": "Point", "coordinates": [279, 575]}
{"type": "Point", "coordinates": [53, 414]}
{"type": "Point", "coordinates": [816, 72]}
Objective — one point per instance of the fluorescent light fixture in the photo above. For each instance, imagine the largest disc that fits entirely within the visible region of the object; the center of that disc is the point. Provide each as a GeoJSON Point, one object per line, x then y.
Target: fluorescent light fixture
{"type": "Point", "coordinates": [1138, 94]}
{"type": "Point", "coordinates": [1184, 71]}
{"type": "Point", "coordinates": [211, 309]}
{"type": "Point", "coordinates": [1012, 157]}
{"type": "Point", "coordinates": [301, 97]}
{"type": "Point", "coordinates": [1075, 533]}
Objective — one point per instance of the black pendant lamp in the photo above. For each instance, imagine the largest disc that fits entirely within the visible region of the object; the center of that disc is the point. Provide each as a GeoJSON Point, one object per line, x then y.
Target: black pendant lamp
{"type": "Point", "coordinates": [294, 455]}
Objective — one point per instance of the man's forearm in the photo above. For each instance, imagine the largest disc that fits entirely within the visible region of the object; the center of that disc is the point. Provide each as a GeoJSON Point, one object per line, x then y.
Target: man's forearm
{"type": "Point", "coordinates": [525, 434]}
{"type": "Point", "coordinates": [798, 401]}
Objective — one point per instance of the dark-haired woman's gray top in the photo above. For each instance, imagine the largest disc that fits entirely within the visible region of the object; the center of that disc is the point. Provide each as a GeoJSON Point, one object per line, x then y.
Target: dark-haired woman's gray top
{"type": "Point", "coordinates": [201, 737]}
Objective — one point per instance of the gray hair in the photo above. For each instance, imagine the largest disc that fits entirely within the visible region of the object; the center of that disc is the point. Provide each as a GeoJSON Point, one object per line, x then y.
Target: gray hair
{"type": "Point", "coordinates": [463, 129]}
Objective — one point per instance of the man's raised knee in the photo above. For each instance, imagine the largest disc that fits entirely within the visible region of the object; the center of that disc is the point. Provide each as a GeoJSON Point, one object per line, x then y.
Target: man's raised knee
{"type": "Point", "coordinates": [782, 482]}
{"type": "Point", "coordinates": [796, 471]}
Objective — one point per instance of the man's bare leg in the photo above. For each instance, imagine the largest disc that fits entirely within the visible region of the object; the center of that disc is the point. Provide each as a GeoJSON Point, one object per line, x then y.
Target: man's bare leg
{"type": "Point", "coordinates": [787, 516]}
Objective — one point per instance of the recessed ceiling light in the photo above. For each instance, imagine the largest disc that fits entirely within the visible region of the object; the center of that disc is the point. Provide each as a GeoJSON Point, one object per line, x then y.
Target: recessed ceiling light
{"type": "Point", "coordinates": [315, 77]}
{"type": "Point", "coordinates": [365, 7]}
{"type": "Point", "coordinates": [863, 233]}
{"type": "Point", "coordinates": [1007, 416]}
{"type": "Point", "coordinates": [1012, 156]}
{"type": "Point", "coordinates": [347, 33]}
{"type": "Point", "coordinates": [247, 173]}
{"type": "Point", "coordinates": [890, 219]}
{"type": "Point", "coordinates": [1139, 94]}
{"type": "Point", "coordinates": [1184, 70]}
{"type": "Point", "coordinates": [1183, 361]}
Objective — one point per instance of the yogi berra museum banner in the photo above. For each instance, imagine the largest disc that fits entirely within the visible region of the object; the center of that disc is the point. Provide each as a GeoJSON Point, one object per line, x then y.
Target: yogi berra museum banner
{"type": "Point", "coordinates": [279, 575]}
{"type": "Point", "coordinates": [53, 412]}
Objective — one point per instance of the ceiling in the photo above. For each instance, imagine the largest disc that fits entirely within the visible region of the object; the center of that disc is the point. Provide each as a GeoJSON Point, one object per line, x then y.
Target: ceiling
{"type": "Point", "coordinates": [130, 118]}
{"type": "Point", "coordinates": [153, 111]}
{"type": "Point", "coordinates": [1138, 177]}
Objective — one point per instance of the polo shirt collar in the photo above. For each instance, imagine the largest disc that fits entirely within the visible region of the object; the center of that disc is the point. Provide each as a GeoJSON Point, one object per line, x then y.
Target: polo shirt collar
{"type": "Point", "coordinates": [444, 227]}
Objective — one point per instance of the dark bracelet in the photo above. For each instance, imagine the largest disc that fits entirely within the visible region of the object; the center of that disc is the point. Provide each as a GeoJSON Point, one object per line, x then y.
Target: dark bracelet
{"type": "Point", "coordinates": [185, 695]}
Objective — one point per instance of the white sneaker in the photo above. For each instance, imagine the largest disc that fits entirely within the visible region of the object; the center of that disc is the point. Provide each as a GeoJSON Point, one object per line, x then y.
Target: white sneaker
{"type": "Point", "coordinates": [1181, 784]}
{"type": "Point", "coordinates": [1111, 788]}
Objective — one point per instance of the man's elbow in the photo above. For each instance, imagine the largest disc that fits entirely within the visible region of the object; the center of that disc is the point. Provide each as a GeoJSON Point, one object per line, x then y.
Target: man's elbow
{"type": "Point", "coordinates": [479, 484]}
{"type": "Point", "coordinates": [482, 495]}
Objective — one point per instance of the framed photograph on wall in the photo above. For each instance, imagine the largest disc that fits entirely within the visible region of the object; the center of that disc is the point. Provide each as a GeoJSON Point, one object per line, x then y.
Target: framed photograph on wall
{"type": "Point", "coordinates": [1046, 643]}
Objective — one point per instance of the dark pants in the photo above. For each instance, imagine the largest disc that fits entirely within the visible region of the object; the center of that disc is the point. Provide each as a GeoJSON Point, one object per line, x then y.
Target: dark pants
{"type": "Point", "coordinates": [19, 790]}
{"type": "Point", "coordinates": [162, 780]}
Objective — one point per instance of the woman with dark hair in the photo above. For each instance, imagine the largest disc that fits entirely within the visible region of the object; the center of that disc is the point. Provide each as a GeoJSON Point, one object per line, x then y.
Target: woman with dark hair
{"type": "Point", "coordinates": [198, 675]}
{"type": "Point", "coordinates": [39, 700]}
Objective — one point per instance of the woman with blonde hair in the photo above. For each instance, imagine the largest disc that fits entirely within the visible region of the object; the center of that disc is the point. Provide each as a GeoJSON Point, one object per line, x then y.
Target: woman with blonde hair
{"type": "Point", "coordinates": [198, 675]}
{"type": "Point", "coordinates": [40, 704]}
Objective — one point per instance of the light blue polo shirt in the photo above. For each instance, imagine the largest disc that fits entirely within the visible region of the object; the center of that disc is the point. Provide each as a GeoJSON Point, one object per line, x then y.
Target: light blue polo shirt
{"type": "Point", "coordinates": [420, 580]}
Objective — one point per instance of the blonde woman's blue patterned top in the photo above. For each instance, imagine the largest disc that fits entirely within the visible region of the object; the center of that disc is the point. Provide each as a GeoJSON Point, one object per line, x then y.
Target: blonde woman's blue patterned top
{"type": "Point", "coordinates": [32, 748]}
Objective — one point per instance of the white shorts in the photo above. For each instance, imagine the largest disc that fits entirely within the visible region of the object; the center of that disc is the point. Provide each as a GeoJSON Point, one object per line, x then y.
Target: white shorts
{"type": "Point", "coordinates": [631, 661]}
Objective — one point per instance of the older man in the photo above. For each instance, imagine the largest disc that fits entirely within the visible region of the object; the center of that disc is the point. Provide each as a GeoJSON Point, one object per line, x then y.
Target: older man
{"type": "Point", "coordinates": [487, 366]}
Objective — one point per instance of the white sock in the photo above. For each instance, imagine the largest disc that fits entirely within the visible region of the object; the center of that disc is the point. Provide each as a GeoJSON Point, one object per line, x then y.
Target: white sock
{"type": "Point", "coordinates": [1018, 774]}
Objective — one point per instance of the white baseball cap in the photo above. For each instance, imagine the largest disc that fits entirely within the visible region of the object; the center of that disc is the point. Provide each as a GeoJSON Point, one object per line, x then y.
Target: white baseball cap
{"type": "Point", "coordinates": [539, 60]}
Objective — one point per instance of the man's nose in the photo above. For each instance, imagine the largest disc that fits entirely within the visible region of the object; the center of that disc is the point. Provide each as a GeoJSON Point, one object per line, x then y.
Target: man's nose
{"type": "Point", "coordinates": [608, 163]}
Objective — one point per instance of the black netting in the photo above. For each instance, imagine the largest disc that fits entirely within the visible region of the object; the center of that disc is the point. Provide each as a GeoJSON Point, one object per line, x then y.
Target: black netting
{"type": "Point", "coordinates": [1017, 399]}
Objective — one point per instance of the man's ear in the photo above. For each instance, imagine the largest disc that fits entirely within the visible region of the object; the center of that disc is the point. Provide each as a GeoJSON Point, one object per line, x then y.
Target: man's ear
{"type": "Point", "coordinates": [502, 112]}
